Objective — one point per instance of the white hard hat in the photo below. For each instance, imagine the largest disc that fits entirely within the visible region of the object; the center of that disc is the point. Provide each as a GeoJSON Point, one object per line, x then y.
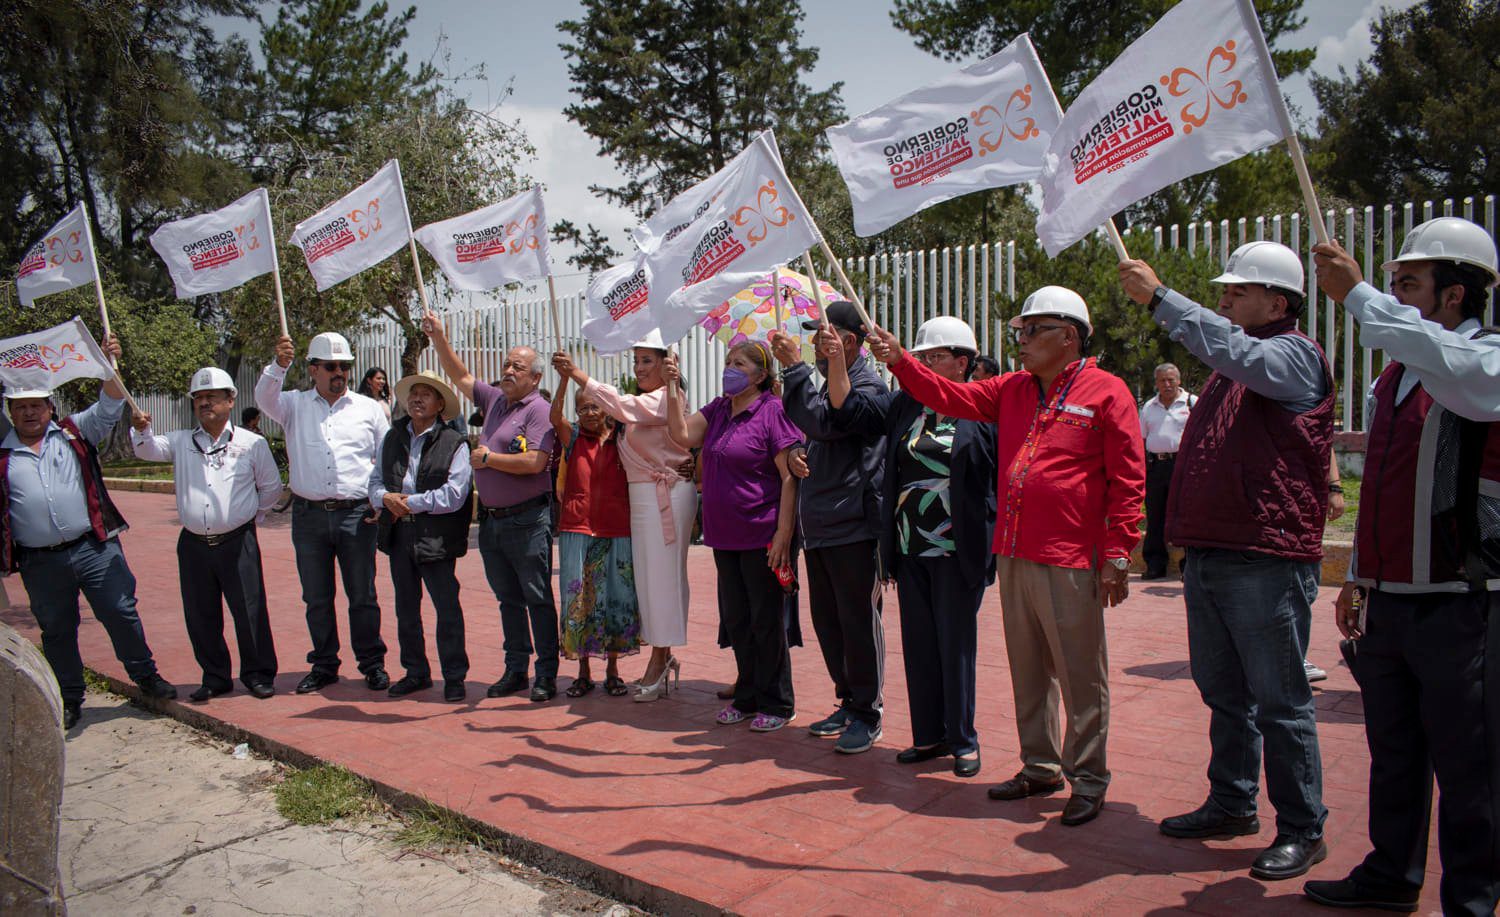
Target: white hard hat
{"type": "Point", "coordinates": [20, 393]}
{"type": "Point", "coordinates": [209, 378]}
{"type": "Point", "coordinates": [1055, 301]}
{"type": "Point", "coordinates": [1266, 263]}
{"type": "Point", "coordinates": [944, 331]}
{"type": "Point", "coordinates": [652, 341]}
{"type": "Point", "coordinates": [330, 345]}
{"type": "Point", "coordinates": [1449, 239]}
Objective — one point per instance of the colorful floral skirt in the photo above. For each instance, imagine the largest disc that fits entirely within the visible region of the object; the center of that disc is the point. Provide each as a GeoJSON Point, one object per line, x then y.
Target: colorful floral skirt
{"type": "Point", "coordinates": [600, 611]}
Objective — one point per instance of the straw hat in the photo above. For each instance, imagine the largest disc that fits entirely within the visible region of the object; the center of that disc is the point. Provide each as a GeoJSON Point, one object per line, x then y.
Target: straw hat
{"type": "Point", "coordinates": [433, 380]}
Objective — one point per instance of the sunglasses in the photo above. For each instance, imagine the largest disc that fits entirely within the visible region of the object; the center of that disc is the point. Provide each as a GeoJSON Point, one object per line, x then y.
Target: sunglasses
{"type": "Point", "coordinates": [1031, 331]}
{"type": "Point", "coordinates": [332, 366]}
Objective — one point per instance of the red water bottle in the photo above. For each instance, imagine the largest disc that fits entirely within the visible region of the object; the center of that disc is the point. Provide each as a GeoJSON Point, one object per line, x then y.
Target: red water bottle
{"type": "Point", "coordinates": [786, 575]}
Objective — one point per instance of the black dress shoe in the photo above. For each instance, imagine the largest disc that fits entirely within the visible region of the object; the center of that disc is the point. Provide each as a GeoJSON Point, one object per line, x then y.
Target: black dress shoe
{"type": "Point", "coordinates": [262, 690]}
{"type": "Point", "coordinates": [966, 767]}
{"type": "Point", "coordinates": [377, 680]}
{"type": "Point", "coordinates": [1020, 786]}
{"type": "Point", "coordinates": [509, 683]}
{"type": "Point", "coordinates": [1208, 820]}
{"type": "Point", "coordinates": [1289, 856]}
{"type": "Point", "coordinates": [204, 692]}
{"type": "Point", "coordinates": [915, 755]}
{"type": "Point", "coordinates": [1082, 809]}
{"type": "Point", "coordinates": [72, 710]}
{"type": "Point", "coordinates": [454, 691]}
{"type": "Point", "coordinates": [1353, 893]}
{"type": "Point", "coordinates": [154, 686]}
{"type": "Point", "coordinates": [316, 681]}
{"type": "Point", "coordinates": [409, 684]}
{"type": "Point", "coordinates": [544, 690]}
{"type": "Point", "coordinates": [1152, 575]}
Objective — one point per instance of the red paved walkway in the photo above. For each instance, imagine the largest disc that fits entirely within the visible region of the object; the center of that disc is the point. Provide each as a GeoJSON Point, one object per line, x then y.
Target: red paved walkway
{"type": "Point", "coordinates": [780, 823]}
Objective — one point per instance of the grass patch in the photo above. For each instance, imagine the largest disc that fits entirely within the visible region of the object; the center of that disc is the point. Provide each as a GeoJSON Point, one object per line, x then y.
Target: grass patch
{"type": "Point", "coordinates": [435, 828]}
{"type": "Point", "coordinates": [96, 682]}
{"type": "Point", "coordinates": [319, 795]}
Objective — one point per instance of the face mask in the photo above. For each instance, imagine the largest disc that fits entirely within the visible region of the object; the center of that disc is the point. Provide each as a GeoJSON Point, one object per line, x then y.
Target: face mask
{"type": "Point", "coordinates": [735, 381]}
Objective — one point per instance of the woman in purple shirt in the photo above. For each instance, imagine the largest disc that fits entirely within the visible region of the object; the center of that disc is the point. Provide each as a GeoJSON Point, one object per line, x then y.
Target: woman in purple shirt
{"type": "Point", "coordinates": [749, 517]}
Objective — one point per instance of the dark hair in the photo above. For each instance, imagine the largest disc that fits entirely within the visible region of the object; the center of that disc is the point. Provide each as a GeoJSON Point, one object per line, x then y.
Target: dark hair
{"type": "Point", "coordinates": [367, 387]}
{"type": "Point", "coordinates": [973, 359]}
{"type": "Point", "coordinates": [990, 364]}
{"type": "Point", "coordinates": [1295, 302]}
{"type": "Point", "coordinates": [1475, 282]}
{"type": "Point", "coordinates": [1084, 338]}
{"type": "Point", "coordinates": [249, 414]}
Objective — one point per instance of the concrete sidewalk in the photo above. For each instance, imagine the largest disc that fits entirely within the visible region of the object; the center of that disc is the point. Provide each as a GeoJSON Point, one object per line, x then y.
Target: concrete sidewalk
{"type": "Point", "coordinates": [661, 807]}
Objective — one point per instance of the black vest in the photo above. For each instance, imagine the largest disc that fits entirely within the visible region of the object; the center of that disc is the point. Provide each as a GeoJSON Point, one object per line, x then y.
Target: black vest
{"type": "Point", "coordinates": [440, 536]}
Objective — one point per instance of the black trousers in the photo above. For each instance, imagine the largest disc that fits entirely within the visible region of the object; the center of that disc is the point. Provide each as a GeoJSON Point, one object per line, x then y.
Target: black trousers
{"type": "Point", "coordinates": [408, 577]}
{"type": "Point", "coordinates": [940, 642]}
{"type": "Point", "coordinates": [1158, 481]}
{"type": "Point", "coordinates": [321, 538]}
{"type": "Point", "coordinates": [750, 603]}
{"type": "Point", "coordinates": [844, 595]}
{"type": "Point", "coordinates": [1428, 668]}
{"type": "Point", "coordinates": [212, 575]}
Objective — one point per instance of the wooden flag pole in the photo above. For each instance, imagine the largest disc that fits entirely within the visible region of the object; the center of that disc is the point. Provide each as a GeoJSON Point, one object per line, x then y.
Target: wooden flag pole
{"type": "Point", "coordinates": [88, 230]}
{"type": "Point", "coordinates": [776, 296]}
{"type": "Point", "coordinates": [556, 316]}
{"type": "Point", "coordinates": [838, 270]}
{"type": "Point", "coordinates": [817, 291]}
{"type": "Point", "coordinates": [1114, 236]}
{"type": "Point", "coordinates": [1284, 117]}
{"type": "Point", "coordinates": [276, 268]}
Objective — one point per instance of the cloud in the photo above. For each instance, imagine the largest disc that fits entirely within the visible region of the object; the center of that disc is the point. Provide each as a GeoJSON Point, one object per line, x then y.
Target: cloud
{"type": "Point", "coordinates": [1353, 45]}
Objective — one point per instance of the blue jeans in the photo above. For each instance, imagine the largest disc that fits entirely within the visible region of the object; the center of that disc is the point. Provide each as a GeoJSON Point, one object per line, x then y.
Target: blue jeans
{"type": "Point", "coordinates": [319, 537]}
{"type": "Point", "coordinates": [517, 554]}
{"type": "Point", "coordinates": [53, 580]}
{"type": "Point", "coordinates": [1248, 617]}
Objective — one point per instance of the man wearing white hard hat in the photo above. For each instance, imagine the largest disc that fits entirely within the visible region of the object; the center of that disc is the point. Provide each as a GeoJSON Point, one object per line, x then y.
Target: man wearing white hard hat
{"type": "Point", "coordinates": [421, 490]}
{"type": "Point", "coordinates": [59, 530]}
{"type": "Point", "coordinates": [226, 479]}
{"type": "Point", "coordinates": [938, 526]}
{"type": "Point", "coordinates": [1421, 601]}
{"type": "Point", "coordinates": [1071, 477]}
{"type": "Point", "coordinates": [1248, 502]}
{"type": "Point", "coordinates": [332, 435]}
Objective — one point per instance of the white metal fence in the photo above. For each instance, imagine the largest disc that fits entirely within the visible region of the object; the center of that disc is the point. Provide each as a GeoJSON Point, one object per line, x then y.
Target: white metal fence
{"type": "Point", "coordinates": [975, 282]}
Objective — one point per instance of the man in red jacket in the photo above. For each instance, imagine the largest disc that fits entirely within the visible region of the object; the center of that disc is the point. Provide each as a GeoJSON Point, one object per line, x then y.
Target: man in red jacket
{"type": "Point", "coordinates": [1072, 479]}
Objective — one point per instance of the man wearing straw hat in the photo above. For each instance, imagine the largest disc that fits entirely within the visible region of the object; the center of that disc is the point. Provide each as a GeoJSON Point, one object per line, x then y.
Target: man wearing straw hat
{"type": "Point", "coordinates": [421, 490]}
{"type": "Point", "coordinates": [59, 530]}
{"type": "Point", "coordinates": [226, 480]}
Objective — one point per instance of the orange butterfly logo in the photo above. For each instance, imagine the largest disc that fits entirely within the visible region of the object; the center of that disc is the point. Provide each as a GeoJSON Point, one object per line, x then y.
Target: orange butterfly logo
{"type": "Point", "coordinates": [767, 210]}
{"type": "Point", "coordinates": [1213, 85]}
{"type": "Point", "coordinates": [1013, 122]}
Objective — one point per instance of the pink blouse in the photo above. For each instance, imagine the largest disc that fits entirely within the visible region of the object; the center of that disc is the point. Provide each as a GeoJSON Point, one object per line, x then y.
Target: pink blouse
{"type": "Point", "coordinates": [647, 451]}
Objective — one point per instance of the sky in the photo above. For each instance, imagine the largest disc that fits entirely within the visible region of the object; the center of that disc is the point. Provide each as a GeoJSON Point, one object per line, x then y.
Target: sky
{"type": "Point", "coordinates": [517, 45]}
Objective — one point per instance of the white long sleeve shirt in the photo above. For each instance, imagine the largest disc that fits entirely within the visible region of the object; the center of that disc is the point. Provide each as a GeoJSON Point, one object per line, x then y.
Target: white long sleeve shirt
{"type": "Point", "coordinates": [330, 447]}
{"type": "Point", "coordinates": [1162, 424]}
{"type": "Point", "coordinates": [221, 483]}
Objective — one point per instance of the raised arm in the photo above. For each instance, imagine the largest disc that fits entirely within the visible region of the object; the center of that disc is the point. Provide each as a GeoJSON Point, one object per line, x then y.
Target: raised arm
{"type": "Point", "coordinates": [268, 388]}
{"type": "Point", "coordinates": [685, 431]}
{"type": "Point", "coordinates": [560, 425]}
{"type": "Point", "coordinates": [463, 380]}
{"type": "Point", "coordinates": [966, 400]}
{"type": "Point", "coordinates": [148, 445]}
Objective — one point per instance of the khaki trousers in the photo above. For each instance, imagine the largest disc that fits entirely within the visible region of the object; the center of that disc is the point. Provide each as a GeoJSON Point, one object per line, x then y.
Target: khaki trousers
{"type": "Point", "coordinates": [1054, 638]}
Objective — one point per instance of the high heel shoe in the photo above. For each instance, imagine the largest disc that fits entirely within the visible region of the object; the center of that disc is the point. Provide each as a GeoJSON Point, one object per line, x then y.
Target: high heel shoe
{"type": "Point", "coordinates": [662, 686]}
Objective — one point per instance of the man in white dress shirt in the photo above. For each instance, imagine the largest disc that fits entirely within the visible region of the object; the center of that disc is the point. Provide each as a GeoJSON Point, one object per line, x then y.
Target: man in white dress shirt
{"type": "Point", "coordinates": [1162, 420]}
{"type": "Point", "coordinates": [226, 479]}
{"type": "Point", "coordinates": [332, 436]}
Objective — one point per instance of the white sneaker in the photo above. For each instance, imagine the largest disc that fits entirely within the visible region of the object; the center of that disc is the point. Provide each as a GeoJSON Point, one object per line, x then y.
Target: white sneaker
{"type": "Point", "coordinates": [1313, 672]}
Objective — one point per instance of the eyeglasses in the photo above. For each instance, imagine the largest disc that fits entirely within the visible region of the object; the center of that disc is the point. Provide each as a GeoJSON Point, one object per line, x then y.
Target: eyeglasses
{"type": "Point", "coordinates": [1031, 331]}
{"type": "Point", "coordinates": [333, 367]}
{"type": "Point", "coordinates": [929, 357]}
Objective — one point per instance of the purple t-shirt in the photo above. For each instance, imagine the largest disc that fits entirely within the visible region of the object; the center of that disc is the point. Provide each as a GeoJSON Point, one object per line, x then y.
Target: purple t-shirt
{"type": "Point", "coordinates": [503, 422]}
{"type": "Point", "coordinates": [741, 487]}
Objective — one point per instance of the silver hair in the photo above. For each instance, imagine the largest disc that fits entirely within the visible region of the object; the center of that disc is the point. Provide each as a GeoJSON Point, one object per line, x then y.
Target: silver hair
{"type": "Point", "coordinates": [1163, 367]}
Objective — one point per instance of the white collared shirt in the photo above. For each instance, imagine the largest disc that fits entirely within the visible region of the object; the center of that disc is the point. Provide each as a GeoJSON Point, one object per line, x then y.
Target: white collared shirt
{"type": "Point", "coordinates": [221, 483]}
{"type": "Point", "coordinates": [330, 447]}
{"type": "Point", "coordinates": [1161, 425]}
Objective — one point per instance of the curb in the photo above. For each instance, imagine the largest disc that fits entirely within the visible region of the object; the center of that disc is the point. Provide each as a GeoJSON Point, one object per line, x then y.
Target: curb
{"type": "Point", "coordinates": [556, 863]}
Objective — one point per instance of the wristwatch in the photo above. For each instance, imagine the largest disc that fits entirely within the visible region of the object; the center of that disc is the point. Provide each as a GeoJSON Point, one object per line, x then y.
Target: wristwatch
{"type": "Point", "coordinates": [1119, 563]}
{"type": "Point", "coordinates": [1157, 297]}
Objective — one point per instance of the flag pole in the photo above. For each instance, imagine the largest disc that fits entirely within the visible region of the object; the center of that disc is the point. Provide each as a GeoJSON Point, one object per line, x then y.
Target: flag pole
{"type": "Point", "coordinates": [275, 265]}
{"type": "Point", "coordinates": [556, 316]}
{"type": "Point", "coordinates": [88, 231]}
{"type": "Point", "coordinates": [411, 241]}
{"type": "Point", "coordinates": [1278, 103]}
{"type": "Point", "coordinates": [838, 270]}
{"type": "Point", "coordinates": [84, 330]}
{"type": "Point", "coordinates": [1114, 236]}
{"type": "Point", "coordinates": [817, 291]}
{"type": "Point", "coordinates": [776, 296]}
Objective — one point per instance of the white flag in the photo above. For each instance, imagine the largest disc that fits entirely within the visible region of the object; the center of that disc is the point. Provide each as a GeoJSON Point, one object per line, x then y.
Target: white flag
{"type": "Point", "coordinates": [220, 250]}
{"type": "Point", "coordinates": [43, 360]}
{"type": "Point", "coordinates": [744, 220]}
{"type": "Point", "coordinates": [985, 126]}
{"type": "Point", "coordinates": [617, 306]}
{"type": "Point", "coordinates": [62, 260]}
{"type": "Point", "coordinates": [356, 232]}
{"type": "Point", "coordinates": [1188, 96]}
{"type": "Point", "coordinates": [495, 245]}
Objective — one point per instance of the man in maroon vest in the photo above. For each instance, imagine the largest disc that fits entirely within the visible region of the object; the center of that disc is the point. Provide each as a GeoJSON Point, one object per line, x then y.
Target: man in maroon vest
{"type": "Point", "coordinates": [1248, 498]}
{"type": "Point", "coordinates": [1427, 569]}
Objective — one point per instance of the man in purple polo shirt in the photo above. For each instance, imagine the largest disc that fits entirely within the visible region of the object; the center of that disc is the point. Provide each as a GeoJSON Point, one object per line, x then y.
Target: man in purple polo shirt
{"type": "Point", "coordinates": [515, 513]}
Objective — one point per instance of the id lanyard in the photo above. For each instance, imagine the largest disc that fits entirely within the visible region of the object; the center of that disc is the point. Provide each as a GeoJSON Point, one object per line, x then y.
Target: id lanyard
{"type": "Point", "coordinates": [213, 458]}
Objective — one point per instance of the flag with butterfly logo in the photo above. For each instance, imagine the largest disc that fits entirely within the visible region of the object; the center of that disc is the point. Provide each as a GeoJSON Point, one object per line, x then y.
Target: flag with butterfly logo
{"type": "Point", "coordinates": [357, 231]}
{"type": "Point", "coordinates": [61, 260]}
{"type": "Point", "coordinates": [219, 251]}
{"type": "Point", "coordinates": [1189, 95]}
{"type": "Point", "coordinates": [43, 360]}
{"type": "Point", "coordinates": [488, 248]}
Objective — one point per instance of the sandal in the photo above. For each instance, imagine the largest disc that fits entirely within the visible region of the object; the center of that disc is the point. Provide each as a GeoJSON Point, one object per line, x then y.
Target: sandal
{"type": "Point", "coordinates": [730, 715]}
{"type": "Point", "coordinates": [615, 686]}
{"type": "Point", "coordinates": [580, 687]}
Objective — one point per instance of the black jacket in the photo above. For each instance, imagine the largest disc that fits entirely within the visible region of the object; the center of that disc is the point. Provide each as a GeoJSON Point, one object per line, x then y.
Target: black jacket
{"type": "Point", "coordinates": [971, 488]}
{"type": "Point", "coordinates": [839, 502]}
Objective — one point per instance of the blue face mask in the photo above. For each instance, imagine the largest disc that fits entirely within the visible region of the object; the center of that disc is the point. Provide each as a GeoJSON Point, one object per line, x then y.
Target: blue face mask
{"type": "Point", "coordinates": [735, 381]}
